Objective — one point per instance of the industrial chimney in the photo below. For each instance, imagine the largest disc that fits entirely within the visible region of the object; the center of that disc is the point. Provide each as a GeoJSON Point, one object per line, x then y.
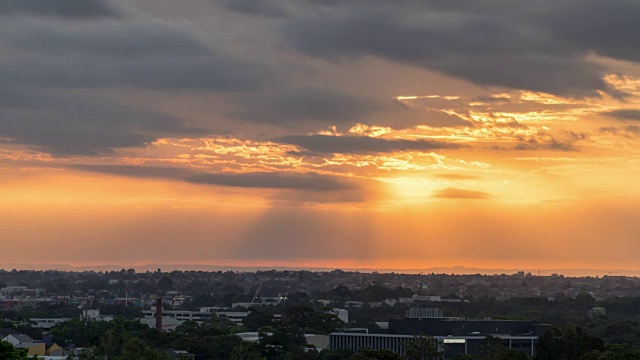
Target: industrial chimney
{"type": "Point", "coordinates": [159, 314]}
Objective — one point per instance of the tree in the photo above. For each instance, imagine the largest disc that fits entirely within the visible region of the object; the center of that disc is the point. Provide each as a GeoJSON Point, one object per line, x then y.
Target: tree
{"type": "Point", "coordinates": [368, 354]}
{"type": "Point", "coordinates": [8, 352]}
{"type": "Point", "coordinates": [340, 291]}
{"type": "Point", "coordinates": [422, 348]}
{"type": "Point", "coordinates": [165, 283]}
{"type": "Point", "coordinates": [245, 351]}
{"type": "Point", "coordinates": [468, 357]}
{"type": "Point", "coordinates": [569, 343]}
{"type": "Point", "coordinates": [493, 349]}
{"type": "Point", "coordinates": [258, 318]}
{"type": "Point", "coordinates": [136, 349]}
{"type": "Point", "coordinates": [311, 320]}
{"type": "Point", "coordinates": [340, 354]}
{"type": "Point", "coordinates": [285, 338]}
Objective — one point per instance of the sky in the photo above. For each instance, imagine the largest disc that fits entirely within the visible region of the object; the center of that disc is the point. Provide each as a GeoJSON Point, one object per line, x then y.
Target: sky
{"type": "Point", "coordinates": [371, 134]}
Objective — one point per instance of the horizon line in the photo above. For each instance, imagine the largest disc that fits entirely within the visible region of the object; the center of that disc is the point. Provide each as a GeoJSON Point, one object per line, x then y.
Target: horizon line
{"type": "Point", "coordinates": [455, 270]}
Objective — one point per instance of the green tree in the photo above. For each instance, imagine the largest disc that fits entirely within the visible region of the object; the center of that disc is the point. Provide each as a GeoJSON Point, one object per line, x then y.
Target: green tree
{"type": "Point", "coordinates": [8, 352]}
{"type": "Point", "coordinates": [136, 349]}
{"type": "Point", "coordinates": [341, 354]}
{"type": "Point", "coordinates": [569, 343]}
{"type": "Point", "coordinates": [368, 354]}
{"type": "Point", "coordinates": [422, 348]}
{"type": "Point", "coordinates": [311, 320]}
{"type": "Point", "coordinates": [245, 351]}
{"type": "Point", "coordinates": [165, 283]}
{"type": "Point", "coordinates": [493, 348]}
{"type": "Point", "coordinates": [258, 318]}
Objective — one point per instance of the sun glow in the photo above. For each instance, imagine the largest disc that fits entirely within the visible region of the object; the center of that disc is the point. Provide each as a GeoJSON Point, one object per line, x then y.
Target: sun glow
{"type": "Point", "coordinates": [409, 189]}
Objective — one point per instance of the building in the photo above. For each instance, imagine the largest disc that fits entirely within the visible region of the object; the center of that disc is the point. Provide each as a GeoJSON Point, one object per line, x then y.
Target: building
{"type": "Point", "coordinates": [421, 313]}
{"type": "Point", "coordinates": [432, 298]}
{"type": "Point", "coordinates": [40, 349]}
{"type": "Point", "coordinates": [451, 345]}
{"type": "Point", "coordinates": [458, 327]}
{"type": "Point", "coordinates": [342, 314]}
{"type": "Point", "coordinates": [174, 318]}
{"type": "Point", "coordinates": [319, 342]}
{"type": "Point", "coordinates": [596, 313]}
{"type": "Point", "coordinates": [94, 315]}
{"type": "Point", "coordinates": [262, 301]}
{"type": "Point", "coordinates": [453, 336]}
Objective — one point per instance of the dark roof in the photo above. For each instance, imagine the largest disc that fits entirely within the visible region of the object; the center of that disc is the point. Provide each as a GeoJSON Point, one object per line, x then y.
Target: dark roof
{"type": "Point", "coordinates": [23, 338]}
{"type": "Point", "coordinates": [4, 332]}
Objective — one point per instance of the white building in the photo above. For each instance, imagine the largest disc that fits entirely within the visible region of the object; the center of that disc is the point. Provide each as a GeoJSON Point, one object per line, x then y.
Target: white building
{"type": "Point", "coordinates": [342, 314]}
{"type": "Point", "coordinates": [433, 298]}
{"type": "Point", "coordinates": [94, 315]}
{"type": "Point", "coordinates": [174, 318]}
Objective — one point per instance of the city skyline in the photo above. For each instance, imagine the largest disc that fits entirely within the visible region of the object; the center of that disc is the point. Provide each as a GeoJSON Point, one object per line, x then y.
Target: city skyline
{"type": "Point", "coordinates": [320, 134]}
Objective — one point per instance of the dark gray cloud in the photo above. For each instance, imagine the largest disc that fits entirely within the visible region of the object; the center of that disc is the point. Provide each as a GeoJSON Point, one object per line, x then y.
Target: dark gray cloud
{"type": "Point", "coordinates": [276, 180]}
{"type": "Point", "coordinates": [296, 105]}
{"type": "Point", "coordinates": [606, 28]}
{"type": "Point", "coordinates": [139, 51]}
{"type": "Point", "coordinates": [77, 9]}
{"type": "Point", "coordinates": [453, 193]}
{"type": "Point", "coordinates": [263, 180]}
{"type": "Point", "coordinates": [537, 47]}
{"type": "Point", "coordinates": [67, 125]}
{"type": "Point", "coordinates": [625, 114]}
{"type": "Point", "coordinates": [257, 7]}
{"type": "Point", "coordinates": [43, 61]}
{"type": "Point", "coordinates": [137, 171]}
{"type": "Point", "coordinates": [122, 45]}
{"type": "Point", "coordinates": [218, 73]}
{"type": "Point", "coordinates": [360, 144]}
{"type": "Point", "coordinates": [112, 38]}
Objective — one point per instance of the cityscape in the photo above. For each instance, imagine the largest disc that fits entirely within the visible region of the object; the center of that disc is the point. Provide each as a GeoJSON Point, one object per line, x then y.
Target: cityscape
{"type": "Point", "coordinates": [311, 314]}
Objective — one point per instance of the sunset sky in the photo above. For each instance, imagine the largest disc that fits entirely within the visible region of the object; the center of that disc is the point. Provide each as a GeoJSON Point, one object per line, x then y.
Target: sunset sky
{"type": "Point", "coordinates": [372, 134]}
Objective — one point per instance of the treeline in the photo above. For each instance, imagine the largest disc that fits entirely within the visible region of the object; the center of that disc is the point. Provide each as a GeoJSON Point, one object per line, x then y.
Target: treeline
{"type": "Point", "coordinates": [215, 338]}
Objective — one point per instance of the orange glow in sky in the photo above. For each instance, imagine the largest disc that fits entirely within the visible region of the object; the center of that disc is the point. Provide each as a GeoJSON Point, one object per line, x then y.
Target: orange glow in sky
{"type": "Point", "coordinates": [286, 143]}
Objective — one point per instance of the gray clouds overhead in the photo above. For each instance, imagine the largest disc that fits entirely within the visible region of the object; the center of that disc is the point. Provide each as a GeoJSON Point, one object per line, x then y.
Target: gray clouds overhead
{"type": "Point", "coordinates": [540, 47]}
{"type": "Point", "coordinates": [71, 125]}
{"type": "Point", "coordinates": [112, 38]}
{"type": "Point", "coordinates": [308, 104]}
{"type": "Point", "coordinates": [278, 66]}
{"type": "Point", "coordinates": [136, 52]}
{"type": "Point", "coordinates": [216, 73]}
{"type": "Point", "coordinates": [257, 7]}
{"type": "Point", "coordinates": [75, 9]}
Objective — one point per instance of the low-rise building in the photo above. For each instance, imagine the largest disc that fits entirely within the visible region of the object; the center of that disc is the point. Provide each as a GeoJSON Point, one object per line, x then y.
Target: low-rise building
{"type": "Point", "coordinates": [452, 336]}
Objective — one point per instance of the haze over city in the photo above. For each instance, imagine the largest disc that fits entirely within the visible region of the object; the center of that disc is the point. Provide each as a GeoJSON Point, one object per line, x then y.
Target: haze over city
{"type": "Point", "coordinates": [320, 134]}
